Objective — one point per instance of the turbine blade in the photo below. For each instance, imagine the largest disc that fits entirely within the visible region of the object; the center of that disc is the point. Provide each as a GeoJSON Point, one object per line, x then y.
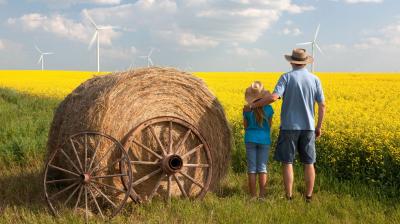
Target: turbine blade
{"type": "Point", "coordinates": [48, 53]}
{"type": "Point", "coordinates": [37, 48]}
{"type": "Point", "coordinates": [320, 50]}
{"type": "Point", "coordinates": [151, 52]}
{"type": "Point", "coordinates": [316, 32]}
{"type": "Point", "coordinates": [90, 18]}
{"type": "Point", "coordinates": [93, 40]}
{"type": "Point", "coordinates": [106, 27]}
{"type": "Point", "coordinates": [151, 61]}
{"type": "Point", "coordinates": [305, 43]}
{"type": "Point", "coordinates": [40, 59]}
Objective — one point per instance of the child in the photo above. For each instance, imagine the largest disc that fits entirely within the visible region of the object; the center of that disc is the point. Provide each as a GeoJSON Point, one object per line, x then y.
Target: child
{"type": "Point", "coordinates": [257, 123]}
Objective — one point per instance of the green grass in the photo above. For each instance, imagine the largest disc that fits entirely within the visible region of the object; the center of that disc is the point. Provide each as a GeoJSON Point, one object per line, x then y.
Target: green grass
{"type": "Point", "coordinates": [25, 122]}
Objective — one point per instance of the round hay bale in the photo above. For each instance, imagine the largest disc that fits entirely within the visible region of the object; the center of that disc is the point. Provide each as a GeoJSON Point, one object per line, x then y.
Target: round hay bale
{"type": "Point", "coordinates": [115, 104]}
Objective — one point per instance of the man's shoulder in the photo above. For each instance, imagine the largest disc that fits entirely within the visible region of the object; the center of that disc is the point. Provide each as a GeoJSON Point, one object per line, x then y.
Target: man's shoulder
{"type": "Point", "coordinates": [312, 76]}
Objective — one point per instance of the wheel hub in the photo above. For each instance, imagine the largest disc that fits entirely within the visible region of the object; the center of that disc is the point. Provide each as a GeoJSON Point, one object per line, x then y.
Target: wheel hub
{"type": "Point", "coordinates": [85, 178]}
{"type": "Point", "coordinates": [172, 164]}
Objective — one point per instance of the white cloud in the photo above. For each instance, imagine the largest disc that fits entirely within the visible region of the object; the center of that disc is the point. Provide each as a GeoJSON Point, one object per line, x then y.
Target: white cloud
{"type": "Point", "coordinates": [253, 52]}
{"type": "Point", "coordinates": [61, 26]}
{"type": "Point", "coordinates": [289, 22]}
{"type": "Point", "coordinates": [362, 1]}
{"type": "Point", "coordinates": [66, 3]}
{"type": "Point", "coordinates": [118, 53]}
{"type": "Point", "coordinates": [388, 37]}
{"type": "Point", "coordinates": [10, 46]}
{"type": "Point", "coordinates": [188, 40]}
{"type": "Point", "coordinates": [200, 23]}
{"type": "Point", "coordinates": [291, 31]}
{"type": "Point", "coordinates": [334, 47]}
{"type": "Point", "coordinates": [2, 46]}
{"type": "Point", "coordinates": [392, 33]}
{"type": "Point", "coordinates": [369, 42]}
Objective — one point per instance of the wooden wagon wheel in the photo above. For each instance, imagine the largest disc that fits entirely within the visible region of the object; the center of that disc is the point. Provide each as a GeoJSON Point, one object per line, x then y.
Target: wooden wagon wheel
{"type": "Point", "coordinates": [84, 174]}
{"type": "Point", "coordinates": [166, 161]}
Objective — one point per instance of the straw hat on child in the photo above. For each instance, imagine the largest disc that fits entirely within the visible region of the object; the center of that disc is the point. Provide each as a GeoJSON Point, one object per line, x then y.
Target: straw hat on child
{"type": "Point", "coordinates": [255, 92]}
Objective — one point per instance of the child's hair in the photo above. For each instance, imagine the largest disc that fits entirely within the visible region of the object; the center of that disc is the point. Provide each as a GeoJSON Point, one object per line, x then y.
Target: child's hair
{"type": "Point", "coordinates": [260, 116]}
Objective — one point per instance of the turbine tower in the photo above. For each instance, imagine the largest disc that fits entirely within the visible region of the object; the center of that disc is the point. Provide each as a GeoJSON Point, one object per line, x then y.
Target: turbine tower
{"type": "Point", "coordinates": [96, 35]}
{"type": "Point", "coordinates": [314, 45]}
{"type": "Point", "coordinates": [148, 57]}
{"type": "Point", "coordinates": [42, 54]}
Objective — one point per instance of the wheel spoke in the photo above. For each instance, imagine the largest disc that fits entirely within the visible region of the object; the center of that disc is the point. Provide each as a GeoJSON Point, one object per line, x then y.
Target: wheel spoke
{"type": "Point", "coordinates": [86, 205]}
{"type": "Point", "coordinates": [147, 149]}
{"type": "Point", "coordinates": [110, 176]}
{"type": "Point", "coordinates": [106, 167]}
{"type": "Point", "coordinates": [79, 198]}
{"type": "Point", "coordinates": [61, 180]}
{"type": "Point", "coordinates": [153, 192]}
{"type": "Point", "coordinates": [144, 178]}
{"type": "Point", "coordinates": [158, 140]}
{"type": "Point", "coordinates": [191, 179]}
{"type": "Point", "coordinates": [104, 195]}
{"type": "Point", "coordinates": [76, 154]}
{"type": "Point", "coordinates": [169, 186]}
{"type": "Point", "coordinates": [193, 151]}
{"type": "Point", "coordinates": [170, 138]}
{"type": "Point", "coordinates": [63, 190]}
{"type": "Point", "coordinates": [64, 170]}
{"type": "Point", "coordinates": [180, 144]}
{"type": "Point", "coordinates": [86, 148]}
{"type": "Point", "coordinates": [196, 165]}
{"type": "Point", "coordinates": [180, 186]}
{"type": "Point", "coordinates": [72, 194]}
{"type": "Point", "coordinates": [94, 156]}
{"type": "Point", "coordinates": [145, 162]}
{"type": "Point", "coordinates": [97, 204]}
{"type": "Point", "coordinates": [99, 162]}
{"type": "Point", "coordinates": [70, 160]}
{"type": "Point", "coordinates": [109, 186]}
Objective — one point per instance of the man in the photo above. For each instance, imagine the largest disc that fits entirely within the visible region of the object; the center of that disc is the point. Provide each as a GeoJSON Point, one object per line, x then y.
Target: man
{"type": "Point", "coordinates": [299, 90]}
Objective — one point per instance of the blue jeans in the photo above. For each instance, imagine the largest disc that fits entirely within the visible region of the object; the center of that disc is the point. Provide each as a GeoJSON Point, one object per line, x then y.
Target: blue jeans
{"type": "Point", "coordinates": [257, 157]}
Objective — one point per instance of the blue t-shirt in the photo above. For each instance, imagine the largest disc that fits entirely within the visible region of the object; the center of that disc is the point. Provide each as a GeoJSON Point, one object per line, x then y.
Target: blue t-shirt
{"type": "Point", "coordinates": [299, 90]}
{"type": "Point", "coordinates": [254, 133]}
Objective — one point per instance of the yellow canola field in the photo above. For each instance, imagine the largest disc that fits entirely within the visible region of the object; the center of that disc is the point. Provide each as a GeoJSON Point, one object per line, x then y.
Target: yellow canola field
{"type": "Point", "coordinates": [361, 130]}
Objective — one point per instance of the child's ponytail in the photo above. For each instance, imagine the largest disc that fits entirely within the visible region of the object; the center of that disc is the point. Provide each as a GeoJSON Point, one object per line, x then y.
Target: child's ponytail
{"type": "Point", "coordinates": [260, 116]}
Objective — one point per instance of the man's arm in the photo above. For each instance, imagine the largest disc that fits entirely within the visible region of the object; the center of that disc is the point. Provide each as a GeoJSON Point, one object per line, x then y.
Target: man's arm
{"type": "Point", "coordinates": [268, 99]}
{"type": "Point", "coordinates": [321, 114]}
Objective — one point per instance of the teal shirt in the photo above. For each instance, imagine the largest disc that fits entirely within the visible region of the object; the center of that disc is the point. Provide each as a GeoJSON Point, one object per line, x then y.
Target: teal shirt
{"type": "Point", "coordinates": [254, 133]}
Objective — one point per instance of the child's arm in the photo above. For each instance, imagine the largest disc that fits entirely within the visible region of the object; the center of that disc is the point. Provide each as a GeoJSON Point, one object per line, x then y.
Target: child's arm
{"type": "Point", "coordinates": [270, 122]}
{"type": "Point", "coordinates": [244, 122]}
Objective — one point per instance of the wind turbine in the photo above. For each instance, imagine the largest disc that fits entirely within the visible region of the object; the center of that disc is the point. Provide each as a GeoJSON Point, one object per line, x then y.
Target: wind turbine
{"type": "Point", "coordinates": [132, 65]}
{"type": "Point", "coordinates": [42, 54]}
{"type": "Point", "coordinates": [96, 35]}
{"type": "Point", "coordinates": [314, 45]}
{"type": "Point", "coordinates": [148, 57]}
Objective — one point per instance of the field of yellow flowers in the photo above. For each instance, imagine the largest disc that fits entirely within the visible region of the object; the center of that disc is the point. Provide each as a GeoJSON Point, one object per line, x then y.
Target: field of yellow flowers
{"type": "Point", "coordinates": [361, 133]}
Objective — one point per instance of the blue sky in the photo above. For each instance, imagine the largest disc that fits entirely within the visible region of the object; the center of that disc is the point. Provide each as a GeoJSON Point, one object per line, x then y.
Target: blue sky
{"type": "Point", "coordinates": [200, 35]}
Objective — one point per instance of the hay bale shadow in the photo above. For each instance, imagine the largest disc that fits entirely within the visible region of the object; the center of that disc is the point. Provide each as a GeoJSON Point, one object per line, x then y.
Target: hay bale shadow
{"type": "Point", "coordinates": [22, 187]}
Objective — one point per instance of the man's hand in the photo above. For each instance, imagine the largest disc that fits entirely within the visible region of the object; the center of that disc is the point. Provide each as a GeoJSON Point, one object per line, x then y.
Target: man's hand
{"type": "Point", "coordinates": [246, 108]}
{"type": "Point", "coordinates": [318, 132]}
